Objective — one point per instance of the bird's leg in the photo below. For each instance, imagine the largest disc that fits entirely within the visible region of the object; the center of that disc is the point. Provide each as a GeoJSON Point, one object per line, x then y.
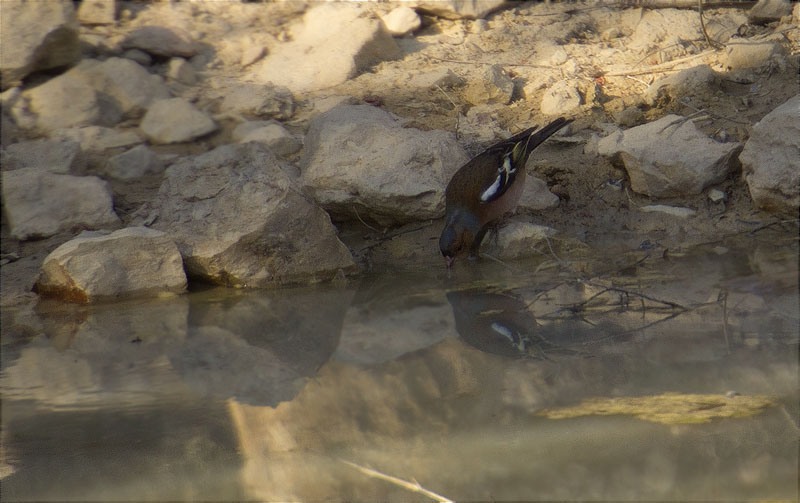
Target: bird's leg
{"type": "Point", "coordinates": [476, 244]}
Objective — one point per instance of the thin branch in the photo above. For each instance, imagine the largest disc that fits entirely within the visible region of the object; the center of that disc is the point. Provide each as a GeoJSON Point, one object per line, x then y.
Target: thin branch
{"type": "Point", "coordinates": [411, 486]}
{"type": "Point", "coordinates": [720, 117]}
{"type": "Point", "coordinates": [674, 305]}
{"type": "Point", "coordinates": [462, 62]}
{"type": "Point", "coordinates": [712, 43]}
{"type": "Point", "coordinates": [663, 67]}
{"type": "Point", "coordinates": [362, 221]}
{"type": "Point", "coordinates": [455, 107]}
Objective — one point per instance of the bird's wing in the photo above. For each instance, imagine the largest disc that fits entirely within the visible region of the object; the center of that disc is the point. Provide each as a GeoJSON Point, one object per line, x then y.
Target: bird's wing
{"type": "Point", "coordinates": [512, 154]}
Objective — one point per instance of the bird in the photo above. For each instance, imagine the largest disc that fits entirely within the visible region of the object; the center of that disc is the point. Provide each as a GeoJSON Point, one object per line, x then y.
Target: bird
{"type": "Point", "coordinates": [486, 188]}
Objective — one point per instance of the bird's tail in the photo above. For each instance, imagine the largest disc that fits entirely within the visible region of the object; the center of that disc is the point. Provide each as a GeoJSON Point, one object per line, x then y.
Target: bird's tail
{"type": "Point", "coordinates": [535, 138]}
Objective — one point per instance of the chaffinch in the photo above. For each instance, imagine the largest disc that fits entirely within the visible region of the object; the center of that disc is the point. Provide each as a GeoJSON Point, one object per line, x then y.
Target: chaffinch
{"type": "Point", "coordinates": [486, 188]}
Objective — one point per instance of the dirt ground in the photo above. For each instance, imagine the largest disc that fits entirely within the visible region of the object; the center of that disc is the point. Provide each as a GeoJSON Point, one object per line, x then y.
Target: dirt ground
{"type": "Point", "coordinates": [597, 205]}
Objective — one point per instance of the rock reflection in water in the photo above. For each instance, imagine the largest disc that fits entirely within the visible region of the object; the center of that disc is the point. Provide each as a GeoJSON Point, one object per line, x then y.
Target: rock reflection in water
{"type": "Point", "coordinates": [260, 347]}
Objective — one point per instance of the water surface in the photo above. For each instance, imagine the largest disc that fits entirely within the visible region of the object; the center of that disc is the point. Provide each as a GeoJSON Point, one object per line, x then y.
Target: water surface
{"type": "Point", "coordinates": [441, 379]}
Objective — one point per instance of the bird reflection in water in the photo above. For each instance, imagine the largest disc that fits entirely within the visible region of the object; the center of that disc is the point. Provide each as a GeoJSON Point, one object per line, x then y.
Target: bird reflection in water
{"type": "Point", "coordinates": [499, 323]}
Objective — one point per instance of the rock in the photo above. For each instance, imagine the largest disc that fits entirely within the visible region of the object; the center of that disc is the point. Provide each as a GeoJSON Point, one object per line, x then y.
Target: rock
{"type": "Point", "coordinates": [36, 36]}
{"type": "Point", "coordinates": [682, 84]}
{"type": "Point", "coordinates": [9, 132]}
{"type": "Point", "coordinates": [536, 195]}
{"type": "Point", "coordinates": [319, 57]}
{"type": "Point", "coordinates": [458, 9]}
{"type": "Point", "coordinates": [138, 56]}
{"type": "Point", "coordinates": [443, 77]}
{"type": "Point", "coordinates": [538, 80]}
{"type": "Point", "coordinates": [67, 101]}
{"type": "Point", "coordinates": [270, 133]}
{"type": "Point", "coordinates": [560, 98]}
{"type": "Point", "coordinates": [716, 195]}
{"type": "Point", "coordinates": [259, 101]}
{"type": "Point", "coordinates": [131, 262]}
{"type": "Point", "coordinates": [325, 103]}
{"type": "Point", "coordinates": [493, 86]}
{"type": "Point", "coordinates": [657, 26]}
{"type": "Point", "coordinates": [239, 220]}
{"type": "Point", "coordinates": [252, 54]}
{"type": "Point", "coordinates": [768, 11]}
{"type": "Point", "coordinates": [373, 335]}
{"type": "Point", "coordinates": [481, 124]}
{"type": "Point", "coordinates": [629, 117]}
{"type": "Point", "coordinates": [401, 21]}
{"type": "Point", "coordinates": [161, 41]}
{"type": "Point", "coordinates": [98, 139]}
{"type": "Point", "coordinates": [134, 163]}
{"type": "Point", "coordinates": [359, 158]}
{"type": "Point", "coordinates": [181, 71]}
{"type": "Point", "coordinates": [670, 157]}
{"type": "Point", "coordinates": [771, 159]}
{"type": "Point", "coordinates": [97, 12]}
{"type": "Point", "coordinates": [39, 204]}
{"type": "Point", "coordinates": [55, 156]}
{"type": "Point", "coordinates": [131, 86]}
{"type": "Point", "coordinates": [517, 240]}
{"type": "Point", "coordinates": [740, 54]}
{"type": "Point", "coordinates": [175, 120]}
{"type": "Point", "coordinates": [796, 13]}
{"type": "Point", "coordinates": [675, 211]}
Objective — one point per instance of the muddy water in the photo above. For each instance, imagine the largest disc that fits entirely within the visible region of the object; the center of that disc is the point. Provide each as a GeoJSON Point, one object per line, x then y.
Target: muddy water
{"type": "Point", "coordinates": [670, 380]}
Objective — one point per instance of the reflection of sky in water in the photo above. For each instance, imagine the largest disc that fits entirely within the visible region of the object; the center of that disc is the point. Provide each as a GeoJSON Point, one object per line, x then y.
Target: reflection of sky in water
{"type": "Point", "coordinates": [225, 394]}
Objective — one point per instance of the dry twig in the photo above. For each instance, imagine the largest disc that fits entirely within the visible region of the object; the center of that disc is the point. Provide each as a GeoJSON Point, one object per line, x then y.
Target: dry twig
{"type": "Point", "coordinates": [411, 486]}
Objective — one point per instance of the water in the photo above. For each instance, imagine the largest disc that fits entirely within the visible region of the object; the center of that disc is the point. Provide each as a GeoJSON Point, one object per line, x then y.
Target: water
{"type": "Point", "coordinates": [296, 394]}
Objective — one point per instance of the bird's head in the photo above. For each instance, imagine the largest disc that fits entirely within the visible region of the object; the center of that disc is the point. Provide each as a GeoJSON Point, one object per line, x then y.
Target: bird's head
{"type": "Point", "coordinates": [458, 234]}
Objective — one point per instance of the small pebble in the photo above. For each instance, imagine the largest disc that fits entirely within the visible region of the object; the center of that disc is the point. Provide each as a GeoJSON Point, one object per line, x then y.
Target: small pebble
{"type": "Point", "coordinates": [716, 195]}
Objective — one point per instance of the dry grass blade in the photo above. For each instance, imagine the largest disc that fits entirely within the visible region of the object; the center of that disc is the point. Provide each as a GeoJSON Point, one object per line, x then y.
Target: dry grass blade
{"type": "Point", "coordinates": [411, 486]}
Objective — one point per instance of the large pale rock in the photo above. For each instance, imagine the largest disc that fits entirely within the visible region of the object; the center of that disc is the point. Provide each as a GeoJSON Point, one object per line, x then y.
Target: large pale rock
{"type": "Point", "coordinates": [458, 9]}
{"type": "Point", "coordinates": [767, 11]}
{"type": "Point", "coordinates": [98, 138]}
{"type": "Point", "coordinates": [259, 101]}
{"type": "Point", "coordinates": [161, 41]}
{"type": "Point", "coordinates": [560, 98]}
{"type": "Point", "coordinates": [670, 157]}
{"type": "Point", "coordinates": [55, 156]}
{"type": "Point", "coordinates": [771, 159]}
{"type": "Point", "coordinates": [319, 56]}
{"type": "Point", "coordinates": [358, 158]}
{"type": "Point", "coordinates": [67, 101]}
{"type": "Point", "coordinates": [36, 36]}
{"type": "Point", "coordinates": [97, 11]}
{"type": "Point", "coordinates": [134, 163]}
{"type": "Point", "coordinates": [270, 133]}
{"type": "Point", "coordinates": [516, 240]}
{"type": "Point", "coordinates": [135, 261]}
{"type": "Point", "coordinates": [181, 71]}
{"type": "Point", "coordinates": [401, 21]}
{"type": "Point", "coordinates": [657, 26]}
{"type": "Point", "coordinates": [682, 84]}
{"type": "Point", "coordinates": [740, 54]}
{"type": "Point", "coordinates": [536, 196]}
{"type": "Point", "coordinates": [175, 120]}
{"type": "Point", "coordinates": [131, 86]}
{"type": "Point", "coordinates": [38, 203]}
{"type": "Point", "coordinates": [493, 86]}
{"type": "Point", "coordinates": [239, 220]}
